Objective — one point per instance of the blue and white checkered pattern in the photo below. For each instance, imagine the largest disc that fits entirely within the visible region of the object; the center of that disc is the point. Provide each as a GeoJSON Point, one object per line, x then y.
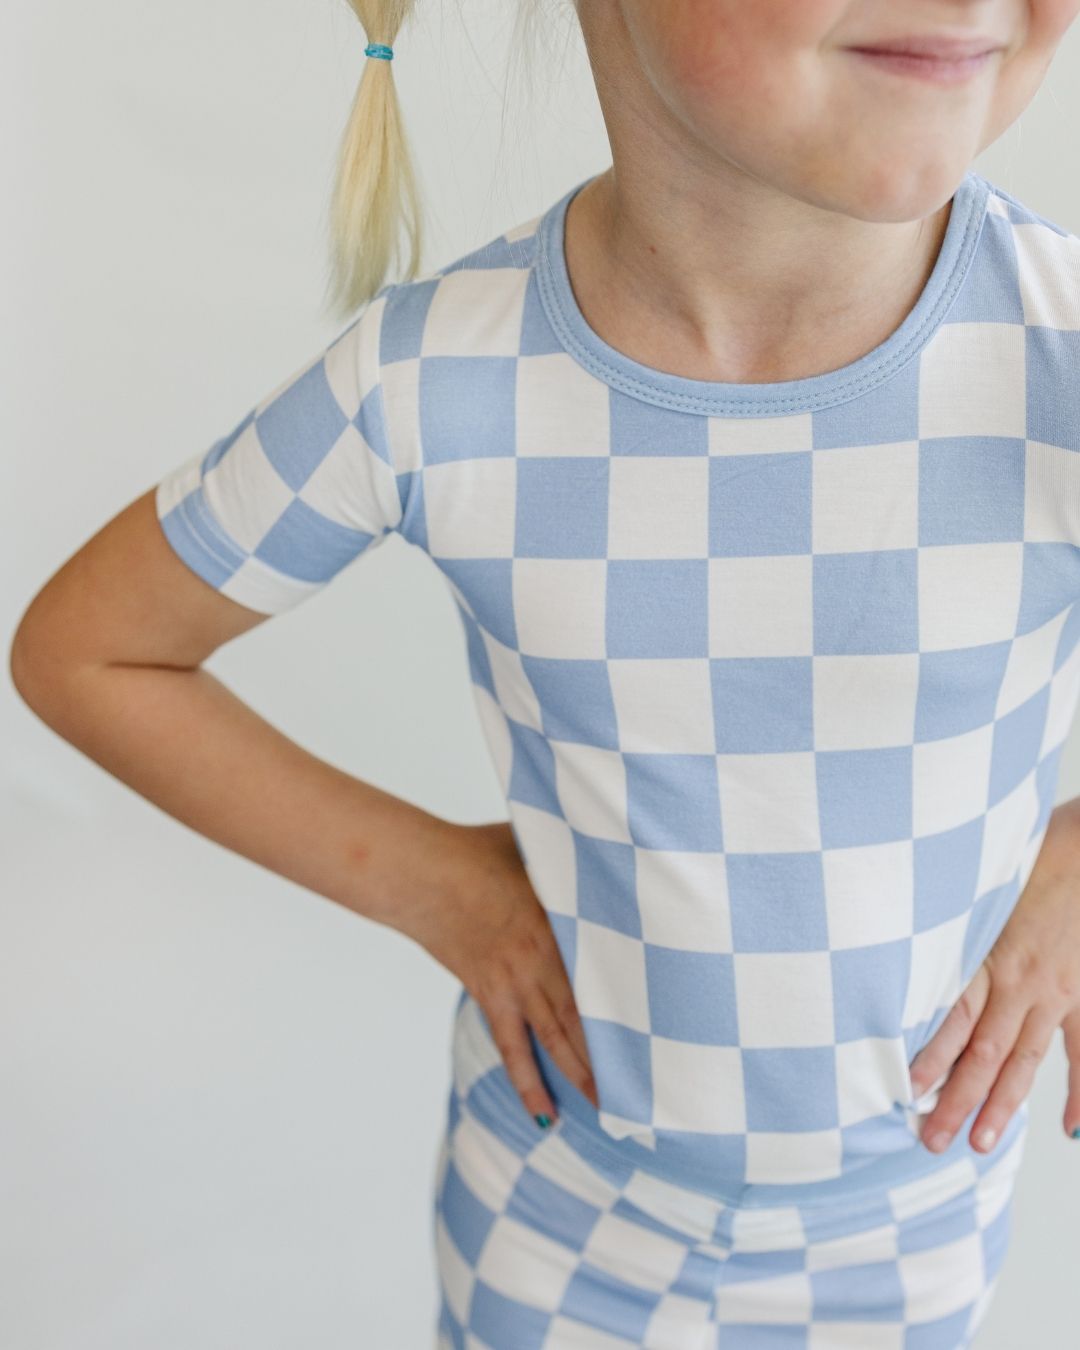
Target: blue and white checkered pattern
{"type": "Point", "coordinates": [775, 677]}
{"type": "Point", "coordinates": [544, 1242]}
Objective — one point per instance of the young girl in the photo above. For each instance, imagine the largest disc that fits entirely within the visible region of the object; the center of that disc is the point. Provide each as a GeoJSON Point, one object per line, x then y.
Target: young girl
{"type": "Point", "coordinates": [751, 465]}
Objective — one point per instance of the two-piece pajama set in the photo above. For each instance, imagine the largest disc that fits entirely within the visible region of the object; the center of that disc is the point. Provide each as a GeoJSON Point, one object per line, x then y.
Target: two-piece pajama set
{"type": "Point", "coordinates": [775, 678]}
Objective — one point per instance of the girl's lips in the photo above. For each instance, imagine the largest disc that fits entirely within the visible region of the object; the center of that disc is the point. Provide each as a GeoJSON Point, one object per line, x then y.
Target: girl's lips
{"type": "Point", "coordinates": [953, 48]}
{"type": "Point", "coordinates": [936, 69]}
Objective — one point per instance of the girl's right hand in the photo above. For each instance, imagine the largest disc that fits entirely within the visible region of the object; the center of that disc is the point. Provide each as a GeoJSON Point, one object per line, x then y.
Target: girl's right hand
{"type": "Point", "coordinates": [482, 920]}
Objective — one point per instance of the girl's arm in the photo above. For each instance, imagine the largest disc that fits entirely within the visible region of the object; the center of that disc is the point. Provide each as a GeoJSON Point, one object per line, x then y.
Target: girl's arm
{"type": "Point", "coordinates": [108, 654]}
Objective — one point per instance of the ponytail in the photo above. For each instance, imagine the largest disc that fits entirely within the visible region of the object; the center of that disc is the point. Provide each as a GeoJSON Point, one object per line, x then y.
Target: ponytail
{"type": "Point", "coordinates": [374, 186]}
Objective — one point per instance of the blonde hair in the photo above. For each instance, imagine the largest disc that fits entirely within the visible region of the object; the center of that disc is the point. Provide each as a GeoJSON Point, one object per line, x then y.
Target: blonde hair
{"type": "Point", "coordinates": [374, 185]}
{"type": "Point", "coordinates": [375, 189]}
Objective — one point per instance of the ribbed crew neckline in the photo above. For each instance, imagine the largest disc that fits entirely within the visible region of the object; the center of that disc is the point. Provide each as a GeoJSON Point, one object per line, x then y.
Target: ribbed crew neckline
{"type": "Point", "coordinates": [777, 398]}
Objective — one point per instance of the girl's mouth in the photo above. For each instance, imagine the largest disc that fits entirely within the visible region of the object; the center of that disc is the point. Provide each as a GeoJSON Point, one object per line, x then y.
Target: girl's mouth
{"type": "Point", "coordinates": [937, 68]}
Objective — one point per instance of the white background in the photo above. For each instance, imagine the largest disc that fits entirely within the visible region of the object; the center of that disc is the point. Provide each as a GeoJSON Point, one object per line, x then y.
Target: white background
{"type": "Point", "coordinates": [222, 1094]}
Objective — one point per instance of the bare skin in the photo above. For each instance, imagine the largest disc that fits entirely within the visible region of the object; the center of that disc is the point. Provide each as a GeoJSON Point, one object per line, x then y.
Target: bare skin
{"type": "Point", "coordinates": [500, 946]}
{"type": "Point", "coordinates": [108, 655]}
{"type": "Point", "coordinates": [998, 1032]}
{"type": "Point", "coordinates": [615, 308]}
{"type": "Point", "coordinates": [773, 206]}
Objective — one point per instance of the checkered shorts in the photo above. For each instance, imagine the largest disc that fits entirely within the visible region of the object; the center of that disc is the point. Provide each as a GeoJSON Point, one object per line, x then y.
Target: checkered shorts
{"type": "Point", "coordinates": [544, 1242]}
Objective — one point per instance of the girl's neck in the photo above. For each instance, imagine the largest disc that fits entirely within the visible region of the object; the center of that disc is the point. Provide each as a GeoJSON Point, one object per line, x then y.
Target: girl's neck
{"type": "Point", "coordinates": [748, 302]}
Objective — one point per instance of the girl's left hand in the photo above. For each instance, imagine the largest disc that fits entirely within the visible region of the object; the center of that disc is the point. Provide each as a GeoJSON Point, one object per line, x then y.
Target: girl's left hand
{"type": "Point", "coordinates": [1000, 1028]}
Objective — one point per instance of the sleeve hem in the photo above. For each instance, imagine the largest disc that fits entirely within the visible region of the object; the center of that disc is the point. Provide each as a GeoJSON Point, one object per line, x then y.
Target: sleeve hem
{"type": "Point", "coordinates": [199, 541]}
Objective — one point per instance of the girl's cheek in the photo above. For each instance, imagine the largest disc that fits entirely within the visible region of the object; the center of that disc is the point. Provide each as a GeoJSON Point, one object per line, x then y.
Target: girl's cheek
{"type": "Point", "coordinates": [742, 58]}
{"type": "Point", "coordinates": [708, 48]}
{"type": "Point", "coordinates": [1048, 20]}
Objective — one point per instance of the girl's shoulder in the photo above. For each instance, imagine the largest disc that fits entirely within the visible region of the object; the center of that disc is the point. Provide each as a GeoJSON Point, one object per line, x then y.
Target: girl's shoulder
{"type": "Point", "coordinates": [494, 261]}
{"type": "Point", "coordinates": [472, 304]}
{"type": "Point", "coordinates": [1030, 270]}
{"type": "Point", "coordinates": [1016, 212]}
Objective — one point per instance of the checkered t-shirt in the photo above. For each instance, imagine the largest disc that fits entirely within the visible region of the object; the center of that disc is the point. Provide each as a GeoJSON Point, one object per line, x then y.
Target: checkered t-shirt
{"type": "Point", "coordinates": [775, 677]}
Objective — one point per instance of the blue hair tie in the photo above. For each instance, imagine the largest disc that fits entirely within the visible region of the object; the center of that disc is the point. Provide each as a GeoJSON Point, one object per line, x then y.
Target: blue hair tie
{"type": "Point", "coordinates": [379, 49]}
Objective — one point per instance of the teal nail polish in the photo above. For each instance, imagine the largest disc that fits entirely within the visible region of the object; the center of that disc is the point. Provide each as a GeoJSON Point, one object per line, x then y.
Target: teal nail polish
{"type": "Point", "coordinates": [1076, 1133]}
{"type": "Point", "coordinates": [542, 1121]}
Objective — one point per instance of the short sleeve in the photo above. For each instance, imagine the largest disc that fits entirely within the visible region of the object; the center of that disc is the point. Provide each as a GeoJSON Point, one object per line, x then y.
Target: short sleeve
{"type": "Point", "coordinates": [301, 486]}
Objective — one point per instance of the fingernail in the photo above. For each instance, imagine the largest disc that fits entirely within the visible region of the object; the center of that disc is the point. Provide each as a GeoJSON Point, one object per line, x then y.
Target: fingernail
{"type": "Point", "coordinates": [938, 1141]}
{"type": "Point", "coordinates": [543, 1121]}
{"type": "Point", "coordinates": [985, 1137]}
{"type": "Point", "coordinates": [1076, 1132]}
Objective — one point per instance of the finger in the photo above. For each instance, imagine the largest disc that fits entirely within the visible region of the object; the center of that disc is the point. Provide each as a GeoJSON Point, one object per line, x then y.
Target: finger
{"type": "Point", "coordinates": [1016, 1078]}
{"type": "Point", "coordinates": [943, 1049]}
{"type": "Point", "coordinates": [511, 1036]}
{"type": "Point", "coordinates": [973, 1074]}
{"type": "Point", "coordinates": [552, 1035]}
{"type": "Point", "coordinates": [554, 982]}
{"type": "Point", "coordinates": [559, 991]}
{"type": "Point", "coordinates": [1070, 1028]}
